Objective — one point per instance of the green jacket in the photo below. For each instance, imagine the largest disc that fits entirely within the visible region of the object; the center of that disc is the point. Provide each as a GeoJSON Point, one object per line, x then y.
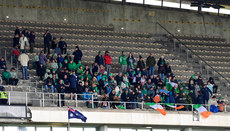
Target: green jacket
{"type": "Point", "coordinates": [72, 66]}
{"type": "Point", "coordinates": [6, 75]}
{"type": "Point", "coordinates": [123, 60]}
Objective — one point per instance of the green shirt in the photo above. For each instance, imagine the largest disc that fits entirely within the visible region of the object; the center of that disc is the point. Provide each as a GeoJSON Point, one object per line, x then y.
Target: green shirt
{"type": "Point", "coordinates": [123, 60]}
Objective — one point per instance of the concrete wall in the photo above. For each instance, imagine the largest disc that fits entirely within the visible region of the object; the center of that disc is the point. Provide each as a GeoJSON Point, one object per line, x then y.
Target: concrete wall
{"type": "Point", "coordinates": [126, 117]}
{"type": "Point", "coordinates": [132, 18]}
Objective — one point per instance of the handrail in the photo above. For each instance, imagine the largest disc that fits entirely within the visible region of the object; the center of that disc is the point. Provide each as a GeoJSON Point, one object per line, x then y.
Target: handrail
{"type": "Point", "coordinates": [192, 52]}
{"type": "Point", "coordinates": [56, 98]}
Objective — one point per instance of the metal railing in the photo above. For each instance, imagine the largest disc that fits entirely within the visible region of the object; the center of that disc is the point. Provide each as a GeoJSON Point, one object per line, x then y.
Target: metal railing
{"type": "Point", "coordinates": [201, 60]}
{"type": "Point", "coordinates": [40, 99]}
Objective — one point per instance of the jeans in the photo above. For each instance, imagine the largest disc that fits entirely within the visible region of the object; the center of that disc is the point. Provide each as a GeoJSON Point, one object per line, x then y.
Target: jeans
{"type": "Point", "coordinates": [108, 68]}
{"type": "Point", "coordinates": [123, 69]}
{"type": "Point", "coordinates": [24, 72]}
{"type": "Point", "coordinates": [13, 81]}
{"type": "Point", "coordinates": [51, 87]}
{"type": "Point", "coordinates": [32, 47]}
{"type": "Point", "coordinates": [151, 70]}
{"type": "Point", "coordinates": [57, 50]}
{"type": "Point", "coordinates": [162, 76]}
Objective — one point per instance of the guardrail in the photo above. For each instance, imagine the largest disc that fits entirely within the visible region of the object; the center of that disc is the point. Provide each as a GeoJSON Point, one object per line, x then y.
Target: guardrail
{"type": "Point", "coordinates": [41, 99]}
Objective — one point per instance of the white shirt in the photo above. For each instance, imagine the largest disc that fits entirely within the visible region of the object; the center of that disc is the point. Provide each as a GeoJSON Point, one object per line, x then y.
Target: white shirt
{"type": "Point", "coordinates": [22, 42]}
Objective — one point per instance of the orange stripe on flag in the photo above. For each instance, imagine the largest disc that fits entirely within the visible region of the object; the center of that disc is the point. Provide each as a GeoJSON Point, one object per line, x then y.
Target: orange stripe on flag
{"type": "Point", "coordinates": [180, 107]}
{"type": "Point", "coordinates": [162, 111]}
{"type": "Point", "coordinates": [205, 114]}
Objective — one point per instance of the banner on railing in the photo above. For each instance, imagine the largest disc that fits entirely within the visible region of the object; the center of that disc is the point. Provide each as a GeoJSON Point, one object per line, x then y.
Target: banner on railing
{"type": "Point", "coordinates": [16, 112]}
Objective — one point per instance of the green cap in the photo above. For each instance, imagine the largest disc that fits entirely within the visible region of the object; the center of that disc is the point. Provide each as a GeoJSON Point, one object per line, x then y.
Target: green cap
{"type": "Point", "coordinates": [220, 98]}
{"type": "Point", "coordinates": [99, 52]}
{"type": "Point", "coordinates": [122, 52]}
{"type": "Point", "coordinates": [54, 70]}
{"type": "Point", "coordinates": [47, 70]}
{"type": "Point", "coordinates": [193, 76]}
{"type": "Point", "coordinates": [111, 74]}
{"type": "Point", "coordinates": [60, 64]}
{"type": "Point", "coordinates": [66, 60]}
{"type": "Point", "coordinates": [68, 53]}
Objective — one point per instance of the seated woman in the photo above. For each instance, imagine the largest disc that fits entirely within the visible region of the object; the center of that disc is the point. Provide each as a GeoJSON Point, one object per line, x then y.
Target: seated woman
{"type": "Point", "coordinates": [14, 77]}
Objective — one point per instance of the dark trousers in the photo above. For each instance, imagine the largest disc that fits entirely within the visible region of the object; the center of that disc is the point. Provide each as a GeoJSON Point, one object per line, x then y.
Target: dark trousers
{"type": "Point", "coordinates": [13, 81]}
{"type": "Point", "coordinates": [3, 101]}
{"type": "Point", "coordinates": [215, 89]}
{"type": "Point", "coordinates": [7, 81]}
{"type": "Point", "coordinates": [32, 47]}
{"type": "Point", "coordinates": [63, 50]}
{"type": "Point", "coordinates": [47, 45]}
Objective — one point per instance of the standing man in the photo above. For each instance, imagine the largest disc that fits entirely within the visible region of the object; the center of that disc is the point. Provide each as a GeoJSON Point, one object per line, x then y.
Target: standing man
{"type": "Point", "coordinates": [47, 41]}
{"type": "Point", "coordinates": [99, 59]}
{"type": "Point", "coordinates": [32, 41]}
{"type": "Point", "coordinates": [108, 60]}
{"type": "Point", "coordinates": [77, 55]}
{"type": "Point", "coordinates": [24, 59]}
{"type": "Point", "coordinates": [150, 63]}
{"type": "Point", "coordinates": [123, 62]}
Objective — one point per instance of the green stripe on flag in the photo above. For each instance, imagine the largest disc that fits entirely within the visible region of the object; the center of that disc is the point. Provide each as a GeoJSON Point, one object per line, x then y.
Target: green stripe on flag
{"type": "Point", "coordinates": [150, 104]}
{"type": "Point", "coordinates": [197, 106]}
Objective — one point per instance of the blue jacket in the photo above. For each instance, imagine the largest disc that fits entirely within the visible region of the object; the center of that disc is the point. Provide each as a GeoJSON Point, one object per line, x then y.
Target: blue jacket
{"type": "Point", "coordinates": [61, 44]}
{"type": "Point", "coordinates": [2, 63]}
{"type": "Point", "coordinates": [99, 60]}
{"type": "Point", "coordinates": [72, 81]}
{"type": "Point", "coordinates": [86, 96]}
{"type": "Point", "coordinates": [205, 92]}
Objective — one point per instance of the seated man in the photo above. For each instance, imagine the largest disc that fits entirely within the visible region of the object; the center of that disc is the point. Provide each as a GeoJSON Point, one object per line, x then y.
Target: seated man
{"type": "Point", "coordinates": [6, 76]}
{"type": "Point", "coordinates": [13, 77]}
{"type": "Point", "coordinates": [49, 84]}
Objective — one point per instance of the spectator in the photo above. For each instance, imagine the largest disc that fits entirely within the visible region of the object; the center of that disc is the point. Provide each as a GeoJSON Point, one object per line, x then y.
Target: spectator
{"type": "Point", "coordinates": [62, 45]}
{"type": "Point", "coordinates": [77, 55]}
{"type": "Point", "coordinates": [17, 31]}
{"type": "Point", "coordinates": [60, 59]}
{"type": "Point", "coordinates": [72, 65]}
{"type": "Point", "coordinates": [205, 91]}
{"type": "Point", "coordinates": [47, 74]}
{"type": "Point", "coordinates": [23, 41]}
{"type": "Point", "coordinates": [48, 64]}
{"type": "Point", "coordinates": [47, 41]}
{"type": "Point", "coordinates": [54, 64]}
{"type": "Point", "coordinates": [210, 86]}
{"type": "Point", "coordinates": [42, 58]}
{"type": "Point", "coordinates": [41, 70]}
{"type": "Point", "coordinates": [2, 63]}
{"type": "Point", "coordinates": [68, 57]}
{"type": "Point", "coordinates": [73, 85]}
{"type": "Point", "coordinates": [161, 67]}
{"type": "Point", "coordinates": [16, 40]}
{"type": "Point", "coordinates": [49, 84]}
{"type": "Point", "coordinates": [140, 63]}
{"type": "Point", "coordinates": [108, 60]}
{"type": "Point", "coordinates": [13, 77]}
{"type": "Point", "coordinates": [221, 104]}
{"type": "Point", "coordinates": [130, 61]}
{"type": "Point", "coordinates": [94, 68]}
{"type": "Point", "coordinates": [123, 62]}
{"type": "Point", "coordinates": [26, 33]}
{"type": "Point", "coordinates": [150, 63]}
{"type": "Point", "coordinates": [24, 59]}
{"type": "Point", "coordinates": [55, 45]}
{"type": "Point", "coordinates": [32, 41]}
{"type": "Point", "coordinates": [6, 76]}
{"type": "Point", "coordinates": [15, 53]}
{"type": "Point", "coordinates": [200, 98]}
{"type": "Point", "coordinates": [200, 81]}
{"type": "Point", "coordinates": [168, 70]}
{"type": "Point", "coordinates": [1, 82]}
{"type": "Point", "coordinates": [66, 83]}
{"type": "Point", "coordinates": [86, 96]}
{"type": "Point", "coordinates": [99, 59]}
{"type": "Point", "coordinates": [61, 89]}
{"type": "Point", "coordinates": [213, 105]}
{"type": "Point", "coordinates": [215, 87]}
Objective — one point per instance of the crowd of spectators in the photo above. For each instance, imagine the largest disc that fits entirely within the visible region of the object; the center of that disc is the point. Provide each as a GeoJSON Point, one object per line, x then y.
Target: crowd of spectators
{"type": "Point", "coordinates": [137, 81]}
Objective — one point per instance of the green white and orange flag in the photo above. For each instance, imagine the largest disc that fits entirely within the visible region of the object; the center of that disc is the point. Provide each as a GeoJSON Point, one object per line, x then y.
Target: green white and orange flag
{"type": "Point", "coordinates": [157, 107]}
{"type": "Point", "coordinates": [173, 106]}
{"type": "Point", "coordinates": [202, 110]}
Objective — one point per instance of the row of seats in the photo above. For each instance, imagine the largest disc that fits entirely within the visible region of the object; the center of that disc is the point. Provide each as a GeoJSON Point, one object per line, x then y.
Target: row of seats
{"type": "Point", "coordinates": [76, 30]}
{"type": "Point", "coordinates": [199, 37]}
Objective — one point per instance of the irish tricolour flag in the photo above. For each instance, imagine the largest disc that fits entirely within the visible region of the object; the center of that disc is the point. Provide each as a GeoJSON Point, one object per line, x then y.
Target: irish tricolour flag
{"type": "Point", "coordinates": [157, 107]}
{"type": "Point", "coordinates": [173, 106]}
{"type": "Point", "coordinates": [202, 110]}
